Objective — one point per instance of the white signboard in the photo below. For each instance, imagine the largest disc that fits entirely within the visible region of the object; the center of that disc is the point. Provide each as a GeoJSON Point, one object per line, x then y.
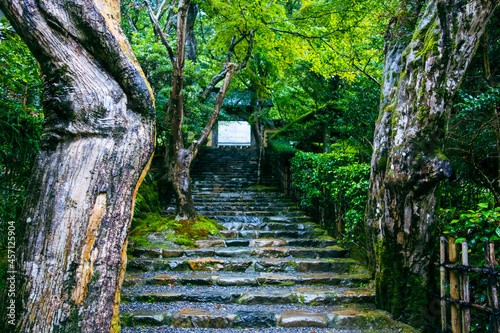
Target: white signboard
{"type": "Point", "coordinates": [234, 133]}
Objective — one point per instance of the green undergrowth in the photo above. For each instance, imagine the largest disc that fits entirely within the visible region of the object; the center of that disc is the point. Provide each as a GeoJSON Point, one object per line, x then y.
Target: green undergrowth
{"type": "Point", "coordinates": [181, 232]}
{"type": "Point", "coordinates": [3, 268]}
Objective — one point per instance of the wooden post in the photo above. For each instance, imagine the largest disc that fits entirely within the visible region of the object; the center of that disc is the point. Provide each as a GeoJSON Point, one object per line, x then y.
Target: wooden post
{"type": "Point", "coordinates": [454, 287]}
{"type": "Point", "coordinates": [489, 258]}
{"type": "Point", "coordinates": [465, 288]}
{"type": "Point", "coordinates": [443, 282]}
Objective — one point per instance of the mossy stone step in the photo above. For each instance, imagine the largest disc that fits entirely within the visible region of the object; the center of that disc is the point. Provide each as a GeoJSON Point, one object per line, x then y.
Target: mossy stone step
{"type": "Point", "coordinates": [243, 252]}
{"type": "Point", "coordinates": [268, 226]}
{"type": "Point", "coordinates": [341, 318]}
{"type": "Point", "coordinates": [241, 280]}
{"type": "Point", "coordinates": [261, 219]}
{"type": "Point", "coordinates": [260, 213]}
{"type": "Point", "coordinates": [338, 265]}
{"type": "Point", "coordinates": [301, 295]}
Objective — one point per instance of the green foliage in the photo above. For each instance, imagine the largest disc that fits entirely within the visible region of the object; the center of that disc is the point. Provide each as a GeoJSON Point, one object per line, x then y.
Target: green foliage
{"type": "Point", "coordinates": [476, 226]}
{"type": "Point", "coordinates": [280, 150]}
{"type": "Point", "coordinates": [355, 123]}
{"type": "Point", "coordinates": [147, 200]}
{"type": "Point", "coordinates": [338, 183]}
{"type": "Point", "coordinates": [20, 122]}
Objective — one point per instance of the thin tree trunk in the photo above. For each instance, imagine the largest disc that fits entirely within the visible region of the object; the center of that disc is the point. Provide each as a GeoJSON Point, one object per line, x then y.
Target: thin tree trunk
{"type": "Point", "coordinates": [407, 165]}
{"type": "Point", "coordinates": [177, 160]}
{"type": "Point", "coordinates": [98, 140]}
{"type": "Point", "coordinates": [190, 35]}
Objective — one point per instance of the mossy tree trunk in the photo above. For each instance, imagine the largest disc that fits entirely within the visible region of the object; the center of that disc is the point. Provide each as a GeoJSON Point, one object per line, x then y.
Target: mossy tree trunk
{"type": "Point", "coordinates": [98, 139]}
{"type": "Point", "coordinates": [420, 80]}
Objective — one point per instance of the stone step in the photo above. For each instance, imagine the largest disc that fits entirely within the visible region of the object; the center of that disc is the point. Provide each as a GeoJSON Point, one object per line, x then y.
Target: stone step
{"type": "Point", "coordinates": [239, 193]}
{"type": "Point", "coordinates": [214, 264]}
{"type": "Point", "coordinates": [250, 204]}
{"type": "Point", "coordinates": [257, 210]}
{"type": "Point", "coordinates": [246, 279]}
{"type": "Point", "coordinates": [261, 219]}
{"type": "Point", "coordinates": [360, 319]}
{"type": "Point", "coordinates": [257, 234]}
{"type": "Point", "coordinates": [263, 295]}
{"type": "Point", "coordinates": [269, 226]}
{"type": "Point", "coordinates": [242, 252]}
{"type": "Point", "coordinates": [211, 181]}
{"type": "Point", "coordinates": [240, 196]}
{"type": "Point", "coordinates": [259, 213]}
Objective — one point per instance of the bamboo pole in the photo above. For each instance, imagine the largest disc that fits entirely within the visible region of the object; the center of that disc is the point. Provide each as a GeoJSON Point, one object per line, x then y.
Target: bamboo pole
{"type": "Point", "coordinates": [443, 282]}
{"type": "Point", "coordinates": [454, 287]}
{"type": "Point", "coordinates": [465, 288]}
{"type": "Point", "coordinates": [489, 258]}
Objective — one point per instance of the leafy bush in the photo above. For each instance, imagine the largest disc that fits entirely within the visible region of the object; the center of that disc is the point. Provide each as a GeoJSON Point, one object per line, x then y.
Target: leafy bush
{"type": "Point", "coordinates": [280, 150]}
{"type": "Point", "coordinates": [337, 183]}
{"type": "Point", "coordinates": [20, 122]}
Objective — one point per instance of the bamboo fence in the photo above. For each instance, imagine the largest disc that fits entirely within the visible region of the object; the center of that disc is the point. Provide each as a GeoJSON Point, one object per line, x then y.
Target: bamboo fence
{"type": "Point", "coordinates": [457, 268]}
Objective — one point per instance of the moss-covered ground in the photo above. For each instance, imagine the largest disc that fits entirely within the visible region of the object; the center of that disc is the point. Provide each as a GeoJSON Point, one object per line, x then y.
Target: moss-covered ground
{"type": "Point", "coordinates": [181, 232]}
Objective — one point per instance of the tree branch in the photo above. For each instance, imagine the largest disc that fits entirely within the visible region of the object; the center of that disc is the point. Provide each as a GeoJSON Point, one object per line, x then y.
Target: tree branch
{"type": "Point", "coordinates": [219, 77]}
{"type": "Point", "coordinates": [249, 52]}
{"type": "Point", "coordinates": [353, 64]}
{"type": "Point", "coordinates": [159, 12]}
{"type": "Point", "coordinates": [160, 32]}
{"type": "Point", "coordinates": [131, 22]}
{"type": "Point", "coordinates": [230, 69]}
{"type": "Point", "coordinates": [182, 14]}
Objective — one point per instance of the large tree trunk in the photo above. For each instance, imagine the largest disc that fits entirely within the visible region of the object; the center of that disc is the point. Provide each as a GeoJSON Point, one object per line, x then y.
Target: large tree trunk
{"type": "Point", "coordinates": [97, 142]}
{"type": "Point", "coordinates": [420, 81]}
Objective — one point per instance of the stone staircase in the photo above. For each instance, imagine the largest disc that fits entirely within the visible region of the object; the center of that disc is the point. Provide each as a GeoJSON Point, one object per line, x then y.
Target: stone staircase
{"type": "Point", "coordinates": [272, 269]}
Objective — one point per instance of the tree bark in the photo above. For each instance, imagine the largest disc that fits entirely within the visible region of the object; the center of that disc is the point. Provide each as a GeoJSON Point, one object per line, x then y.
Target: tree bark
{"type": "Point", "coordinates": [419, 83]}
{"type": "Point", "coordinates": [190, 35]}
{"type": "Point", "coordinates": [98, 140]}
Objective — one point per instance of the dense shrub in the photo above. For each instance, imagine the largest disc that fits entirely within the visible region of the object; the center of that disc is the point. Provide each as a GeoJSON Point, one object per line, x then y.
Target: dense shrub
{"type": "Point", "coordinates": [281, 151]}
{"type": "Point", "coordinates": [337, 183]}
{"type": "Point", "coordinates": [21, 120]}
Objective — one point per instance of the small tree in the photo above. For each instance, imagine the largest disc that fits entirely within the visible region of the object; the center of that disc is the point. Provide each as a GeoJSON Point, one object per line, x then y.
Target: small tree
{"type": "Point", "coordinates": [178, 158]}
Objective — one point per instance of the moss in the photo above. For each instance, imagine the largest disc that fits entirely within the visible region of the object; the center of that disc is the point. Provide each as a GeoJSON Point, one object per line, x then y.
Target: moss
{"type": "Point", "coordinates": [147, 200]}
{"type": "Point", "coordinates": [182, 232]}
{"type": "Point", "coordinates": [287, 284]}
{"type": "Point", "coordinates": [262, 187]}
{"type": "Point", "coordinates": [439, 154]}
{"type": "Point", "coordinates": [325, 237]}
{"type": "Point", "coordinates": [431, 40]}
{"type": "Point", "coordinates": [126, 319]}
{"type": "Point", "coordinates": [398, 291]}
